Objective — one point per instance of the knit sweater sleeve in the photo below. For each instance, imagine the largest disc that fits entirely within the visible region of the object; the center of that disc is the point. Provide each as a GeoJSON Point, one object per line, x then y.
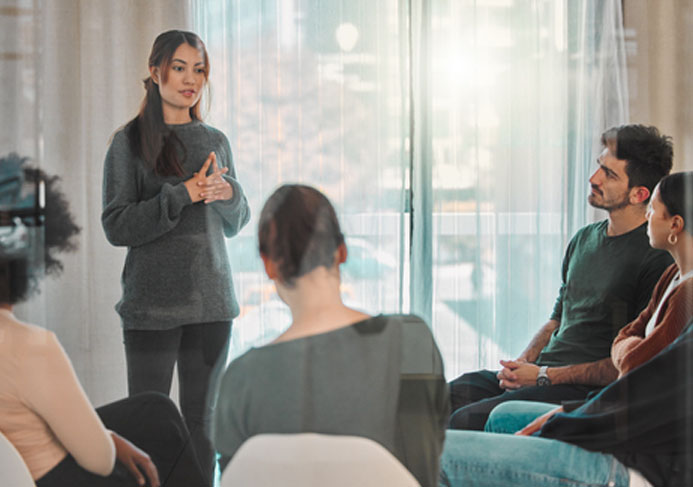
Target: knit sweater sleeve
{"type": "Point", "coordinates": [675, 314]}
{"type": "Point", "coordinates": [50, 388]}
{"type": "Point", "coordinates": [234, 212]}
{"type": "Point", "coordinates": [127, 219]}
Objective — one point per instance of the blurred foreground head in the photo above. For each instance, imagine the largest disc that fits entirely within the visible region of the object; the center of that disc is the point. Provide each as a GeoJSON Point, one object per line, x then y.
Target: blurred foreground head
{"type": "Point", "coordinates": [299, 231]}
{"type": "Point", "coordinates": [35, 226]}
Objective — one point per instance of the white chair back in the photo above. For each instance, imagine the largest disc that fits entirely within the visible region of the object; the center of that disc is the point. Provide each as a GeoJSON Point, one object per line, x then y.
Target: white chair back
{"type": "Point", "coordinates": [13, 470]}
{"type": "Point", "coordinates": [310, 459]}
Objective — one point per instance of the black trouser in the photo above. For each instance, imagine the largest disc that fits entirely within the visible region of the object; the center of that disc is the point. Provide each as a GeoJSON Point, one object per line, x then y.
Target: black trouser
{"type": "Point", "coordinates": [152, 422]}
{"type": "Point", "coordinates": [475, 394]}
{"type": "Point", "coordinates": [200, 351]}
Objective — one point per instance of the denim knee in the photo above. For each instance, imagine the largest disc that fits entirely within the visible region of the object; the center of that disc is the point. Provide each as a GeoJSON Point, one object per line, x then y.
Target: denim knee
{"type": "Point", "coordinates": [510, 417]}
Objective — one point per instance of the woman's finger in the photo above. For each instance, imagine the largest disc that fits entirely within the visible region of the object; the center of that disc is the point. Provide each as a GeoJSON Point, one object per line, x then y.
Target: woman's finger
{"type": "Point", "coordinates": [213, 158]}
{"type": "Point", "coordinates": [205, 167]}
{"type": "Point", "coordinates": [527, 430]}
{"type": "Point", "coordinates": [215, 186]}
{"type": "Point", "coordinates": [152, 473]}
{"type": "Point", "coordinates": [132, 467]}
{"type": "Point", "coordinates": [539, 422]}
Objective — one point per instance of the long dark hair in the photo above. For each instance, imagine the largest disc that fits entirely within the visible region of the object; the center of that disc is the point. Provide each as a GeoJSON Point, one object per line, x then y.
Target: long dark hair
{"type": "Point", "coordinates": [150, 138]}
{"type": "Point", "coordinates": [676, 192]}
{"type": "Point", "coordinates": [299, 230]}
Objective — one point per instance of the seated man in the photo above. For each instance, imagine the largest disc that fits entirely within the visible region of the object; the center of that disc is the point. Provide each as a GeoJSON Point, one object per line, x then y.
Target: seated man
{"type": "Point", "coordinates": [609, 272]}
{"type": "Point", "coordinates": [670, 228]}
{"type": "Point", "coordinates": [639, 426]}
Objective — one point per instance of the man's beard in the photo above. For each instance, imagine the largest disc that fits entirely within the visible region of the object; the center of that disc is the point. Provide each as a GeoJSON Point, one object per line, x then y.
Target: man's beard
{"type": "Point", "coordinates": [608, 205]}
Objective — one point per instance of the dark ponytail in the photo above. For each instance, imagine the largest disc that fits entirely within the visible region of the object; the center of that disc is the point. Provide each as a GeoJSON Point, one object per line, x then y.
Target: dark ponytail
{"type": "Point", "coordinates": [149, 136]}
{"type": "Point", "coordinates": [676, 192]}
{"type": "Point", "coordinates": [299, 230]}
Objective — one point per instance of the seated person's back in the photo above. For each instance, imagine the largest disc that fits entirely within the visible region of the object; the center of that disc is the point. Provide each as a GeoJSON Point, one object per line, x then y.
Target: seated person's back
{"type": "Point", "coordinates": [338, 371]}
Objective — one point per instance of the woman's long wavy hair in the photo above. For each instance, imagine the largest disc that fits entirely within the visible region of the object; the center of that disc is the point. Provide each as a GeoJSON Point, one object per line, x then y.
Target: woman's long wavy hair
{"type": "Point", "coordinates": [150, 138]}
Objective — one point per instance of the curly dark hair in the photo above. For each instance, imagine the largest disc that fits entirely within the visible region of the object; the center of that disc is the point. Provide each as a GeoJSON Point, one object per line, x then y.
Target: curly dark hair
{"type": "Point", "coordinates": [19, 277]}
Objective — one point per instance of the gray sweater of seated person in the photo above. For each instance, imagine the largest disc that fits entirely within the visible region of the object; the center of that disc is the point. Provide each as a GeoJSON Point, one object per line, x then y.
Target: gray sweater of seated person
{"type": "Point", "coordinates": [177, 270]}
{"type": "Point", "coordinates": [381, 378]}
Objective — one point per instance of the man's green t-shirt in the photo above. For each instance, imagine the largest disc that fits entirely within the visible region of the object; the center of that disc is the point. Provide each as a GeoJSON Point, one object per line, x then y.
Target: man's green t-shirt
{"type": "Point", "coordinates": [606, 283]}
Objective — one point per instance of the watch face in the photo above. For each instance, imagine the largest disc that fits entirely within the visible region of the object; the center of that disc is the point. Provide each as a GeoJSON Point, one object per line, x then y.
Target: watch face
{"type": "Point", "coordinates": [543, 381]}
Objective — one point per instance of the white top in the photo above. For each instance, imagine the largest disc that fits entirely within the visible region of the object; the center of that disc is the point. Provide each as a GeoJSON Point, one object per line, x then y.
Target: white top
{"type": "Point", "coordinates": [44, 411]}
{"type": "Point", "coordinates": [678, 279]}
{"type": "Point", "coordinates": [637, 480]}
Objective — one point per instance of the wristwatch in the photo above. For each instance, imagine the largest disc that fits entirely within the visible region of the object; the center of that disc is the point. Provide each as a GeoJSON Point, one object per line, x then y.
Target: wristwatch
{"type": "Point", "coordinates": [542, 377]}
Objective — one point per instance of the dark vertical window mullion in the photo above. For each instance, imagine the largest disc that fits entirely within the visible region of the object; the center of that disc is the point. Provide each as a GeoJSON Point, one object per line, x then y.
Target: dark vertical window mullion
{"type": "Point", "coordinates": [421, 160]}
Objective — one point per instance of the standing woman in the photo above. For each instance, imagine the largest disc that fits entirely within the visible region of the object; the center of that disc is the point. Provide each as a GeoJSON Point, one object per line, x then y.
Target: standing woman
{"type": "Point", "coordinates": [170, 194]}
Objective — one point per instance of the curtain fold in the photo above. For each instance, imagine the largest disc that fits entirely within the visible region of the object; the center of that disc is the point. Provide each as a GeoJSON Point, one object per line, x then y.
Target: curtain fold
{"type": "Point", "coordinates": [311, 91]}
{"type": "Point", "coordinates": [421, 60]}
{"type": "Point", "coordinates": [521, 92]}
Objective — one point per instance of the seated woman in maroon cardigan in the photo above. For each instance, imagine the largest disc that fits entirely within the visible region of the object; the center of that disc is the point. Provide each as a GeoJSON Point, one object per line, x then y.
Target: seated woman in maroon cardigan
{"type": "Point", "coordinates": [670, 227]}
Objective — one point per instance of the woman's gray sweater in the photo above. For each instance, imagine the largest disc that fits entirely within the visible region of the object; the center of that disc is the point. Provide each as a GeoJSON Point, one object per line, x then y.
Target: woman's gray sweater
{"type": "Point", "coordinates": [176, 271]}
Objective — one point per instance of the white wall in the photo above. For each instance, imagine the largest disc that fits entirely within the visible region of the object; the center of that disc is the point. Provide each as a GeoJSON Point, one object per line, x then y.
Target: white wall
{"type": "Point", "coordinates": [660, 52]}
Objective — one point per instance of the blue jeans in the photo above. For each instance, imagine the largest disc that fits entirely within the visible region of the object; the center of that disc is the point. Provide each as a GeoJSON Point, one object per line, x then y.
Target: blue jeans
{"type": "Point", "coordinates": [510, 417]}
{"type": "Point", "coordinates": [476, 459]}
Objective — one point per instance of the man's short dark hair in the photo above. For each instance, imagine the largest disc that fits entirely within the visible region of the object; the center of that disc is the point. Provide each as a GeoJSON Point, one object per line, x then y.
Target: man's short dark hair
{"type": "Point", "coordinates": [649, 154]}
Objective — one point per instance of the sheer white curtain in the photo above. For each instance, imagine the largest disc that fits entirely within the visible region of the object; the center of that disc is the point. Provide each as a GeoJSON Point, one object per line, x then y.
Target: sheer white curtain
{"type": "Point", "coordinates": [19, 47]}
{"type": "Point", "coordinates": [314, 92]}
{"type": "Point", "coordinates": [518, 95]}
{"type": "Point", "coordinates": [72, 74]}
{"type": "Point", "coordinates": [472, 123]}
{"type": "Point", "coordinates": [455, 138]}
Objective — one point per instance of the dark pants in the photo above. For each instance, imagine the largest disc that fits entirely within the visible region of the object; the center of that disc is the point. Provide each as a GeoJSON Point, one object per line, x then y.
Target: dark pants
{"type": "Point", "coordinates": [475, 394]}
{"type": "Point", "coordinates": [200, 351]}
{"type": "Point", "coordinates": [151, 421]}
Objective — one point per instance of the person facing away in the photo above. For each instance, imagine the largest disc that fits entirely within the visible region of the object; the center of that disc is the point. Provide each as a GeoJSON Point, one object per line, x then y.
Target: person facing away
{"type": "Point", "coordinates": [609, 272]}
{"type": "Point", "coordinates": [335, 370]}
{"type": "Point", "coordinates": [637, 432]}
{"type": "Point", "coordinates": [44, 412]}
{"type": "Point", "coordinates": [170, 195]}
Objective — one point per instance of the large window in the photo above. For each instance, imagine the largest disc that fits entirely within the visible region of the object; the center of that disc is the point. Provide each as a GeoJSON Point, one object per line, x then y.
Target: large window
{"type": "Point", "coordinates": [445, 131]}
